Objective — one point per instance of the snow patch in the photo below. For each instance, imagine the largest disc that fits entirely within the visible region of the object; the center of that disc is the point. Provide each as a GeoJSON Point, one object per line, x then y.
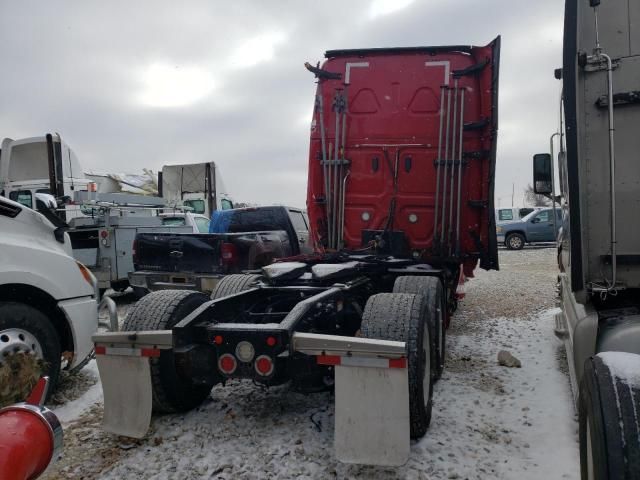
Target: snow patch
{"type": "Point", "coordinates": [623, 365]}
{"type": "Point", "coordinates": [76, 408]}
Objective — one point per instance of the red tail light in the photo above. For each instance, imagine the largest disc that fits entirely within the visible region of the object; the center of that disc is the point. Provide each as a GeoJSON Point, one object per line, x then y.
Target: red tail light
{"type": "Point", "coordinates": [264, 365]}
{"type": "Point", "coordinates": [227, 364]}
{"type": "Point", "coordinates": [228, 254]}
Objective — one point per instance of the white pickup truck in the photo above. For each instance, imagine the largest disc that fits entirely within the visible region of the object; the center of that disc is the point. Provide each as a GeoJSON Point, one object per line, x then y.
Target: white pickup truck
{"type": "Point", "coordinates": [48, 301]}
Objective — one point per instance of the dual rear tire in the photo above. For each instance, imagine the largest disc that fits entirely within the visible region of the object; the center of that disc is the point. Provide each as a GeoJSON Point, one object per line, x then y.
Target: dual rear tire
{"type": "Point", "coordinates": [432, 290]}
{"type": "Point", "coordinates": [403, 317]}
{"type": "Point", "coordinates": [608, 414]}
{"type": "Point", "coordinates": [162, 310]}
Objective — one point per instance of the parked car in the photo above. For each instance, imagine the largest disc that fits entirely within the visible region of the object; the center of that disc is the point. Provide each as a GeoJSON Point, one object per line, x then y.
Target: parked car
{"type": "Point", "coordinates": [48, 301]}
{"type": "Point", "coordinates": [240, 239]}
{"type": "Point", "coordinates": [533, 228]}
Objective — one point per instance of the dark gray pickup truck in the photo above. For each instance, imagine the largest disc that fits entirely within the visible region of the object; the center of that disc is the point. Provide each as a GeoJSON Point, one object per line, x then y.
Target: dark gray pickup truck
{"type": "Point", "coordinates": [238, 240]}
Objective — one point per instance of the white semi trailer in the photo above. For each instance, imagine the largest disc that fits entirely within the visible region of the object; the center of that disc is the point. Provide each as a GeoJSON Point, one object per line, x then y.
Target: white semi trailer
{"type": "Point", "coordinates": [599, 243]}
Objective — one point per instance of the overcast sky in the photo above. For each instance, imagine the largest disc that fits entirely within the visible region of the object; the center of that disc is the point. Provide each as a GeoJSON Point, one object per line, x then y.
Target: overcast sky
{"type": "Point", "coordinates": [132, 85]}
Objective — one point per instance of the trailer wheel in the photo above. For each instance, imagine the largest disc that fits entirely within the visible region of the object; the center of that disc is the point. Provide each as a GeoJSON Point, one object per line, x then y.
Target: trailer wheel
{"type": "Point", "coordinates": [161, 310]}
{"type": "Point", "coordinates": [403, 317]}
{"type": "Point", "coordinates": [609, 431]}
{"type": "Point", "coordinates": [431, 288]}
{"type": "Point", "coordinates": [29, 349]}
{"type": "Point", "coordinates": [232, 284]}
{"type": "Point", "coordinates": [514, 241]}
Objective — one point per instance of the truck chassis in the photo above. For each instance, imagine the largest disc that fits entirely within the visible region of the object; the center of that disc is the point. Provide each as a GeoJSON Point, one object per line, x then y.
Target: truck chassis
{"type": "Point", "coordinates": [316, 321]}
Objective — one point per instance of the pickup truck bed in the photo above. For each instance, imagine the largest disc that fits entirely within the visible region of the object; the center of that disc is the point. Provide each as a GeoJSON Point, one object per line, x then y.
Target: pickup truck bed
{"type": "Point", "coordinates": [239, 240]}
{"type": "Point", "coordinates": [198, 261]}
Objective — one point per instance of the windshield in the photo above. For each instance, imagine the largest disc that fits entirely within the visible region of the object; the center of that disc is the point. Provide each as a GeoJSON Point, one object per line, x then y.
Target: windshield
{"type": "Point", "coordinates": [529, 216]}
{"type": "Point", "coordinates": [197, 205]}
{"type": "Point", "coordinates": [249, 220]}
{"type": "Point", "coordinates": [173, 221]}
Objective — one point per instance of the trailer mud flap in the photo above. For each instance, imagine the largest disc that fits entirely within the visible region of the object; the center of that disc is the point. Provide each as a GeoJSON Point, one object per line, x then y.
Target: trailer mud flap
{"type": "Point", "coordinates": [372, 415]}
{"type": "Point", "coordinates": [371, 396]}
{"type": "Point", "coordinates": [125, 372]}
{"type": "Point", "coordinates": [126, 385]}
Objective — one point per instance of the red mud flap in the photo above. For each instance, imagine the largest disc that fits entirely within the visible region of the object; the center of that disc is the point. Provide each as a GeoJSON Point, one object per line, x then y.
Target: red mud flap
{"type": "Point", "coordinates": [123, 363]}
{"type": "Point", "coordinates": [371, 396]}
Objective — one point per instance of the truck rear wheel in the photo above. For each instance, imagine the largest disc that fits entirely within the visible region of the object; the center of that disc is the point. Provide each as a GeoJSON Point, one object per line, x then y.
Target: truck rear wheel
{"type": "Point", "coordinates": [609, 431]}
{"type": "Point", "coordinates": [403, 317]}
{"type": "Point", "coordinates": [29, 349]}
{"type": "Point", "coordinates": [161, 311]}
{"type": "Point", "coordinates": [232, 284]}
{"type": "Point", "coordinates": [431, 288]}
{"type": "Point", "coordinates": [514, 241]}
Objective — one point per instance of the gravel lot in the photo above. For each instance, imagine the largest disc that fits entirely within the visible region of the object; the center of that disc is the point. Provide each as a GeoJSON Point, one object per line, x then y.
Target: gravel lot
{"type": "Point", "coordinates": [489, 421]}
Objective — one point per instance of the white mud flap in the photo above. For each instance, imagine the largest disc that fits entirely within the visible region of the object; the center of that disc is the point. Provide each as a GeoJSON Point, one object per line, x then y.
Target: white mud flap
{"type": "Point", "coordinates": [372, 415]}
{"type": "Point", "coordinates": [126, 385]}
{"type": "Point", "coordinates": [371, 396]}
{"type": "Point", "coordinates": [125, 373]}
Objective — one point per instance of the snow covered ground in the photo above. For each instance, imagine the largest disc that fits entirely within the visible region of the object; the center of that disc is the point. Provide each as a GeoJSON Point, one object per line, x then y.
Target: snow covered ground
{"type": "Point", "coordinates": [489, 421]}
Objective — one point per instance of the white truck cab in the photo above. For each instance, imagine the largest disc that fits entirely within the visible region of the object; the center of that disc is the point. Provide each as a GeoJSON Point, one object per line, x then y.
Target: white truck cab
{"type": "Point", "coordinates": [48, 301]}
{"type": "Point", "coordinates": [39, 165]}
{"type": "Point", "coordinates": [198, 186]}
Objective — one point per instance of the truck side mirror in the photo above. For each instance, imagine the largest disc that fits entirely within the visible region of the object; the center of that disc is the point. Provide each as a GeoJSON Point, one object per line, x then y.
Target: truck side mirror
{"type": "Point", "coordinates": [542, 173]}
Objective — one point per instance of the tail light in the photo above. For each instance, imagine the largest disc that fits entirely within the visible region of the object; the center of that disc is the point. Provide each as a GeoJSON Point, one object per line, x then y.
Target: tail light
{"type": "Point", "coordinates": [228, 254]}
{"type": "Point", "coordinates": [264, 365]}
{"type": "Point", "coordinates": [92, 187]}
{"type": "Point", "coordinates": [104, 237]}
{"type": "Point", "coordinates": [245, 351]}
{"type": "Point", "coordinates": [227, 364]}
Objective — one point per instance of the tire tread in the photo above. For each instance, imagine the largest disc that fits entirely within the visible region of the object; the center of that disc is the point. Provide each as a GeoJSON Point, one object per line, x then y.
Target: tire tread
{"type": "Point", "coordinates": [401, 317]}
{"type": "Point", "coordinates": [155, 311]}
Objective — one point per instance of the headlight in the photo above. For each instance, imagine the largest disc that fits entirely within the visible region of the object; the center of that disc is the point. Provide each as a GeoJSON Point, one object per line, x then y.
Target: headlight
{"type": "Point", "coordinates": [498, 229]}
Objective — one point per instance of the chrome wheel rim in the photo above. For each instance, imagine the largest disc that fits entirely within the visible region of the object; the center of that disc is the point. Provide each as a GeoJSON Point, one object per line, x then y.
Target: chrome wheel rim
{"type": "Point", "coordinates": [16, 340]}
{"type": "Point", "coordinates": [515, 242]}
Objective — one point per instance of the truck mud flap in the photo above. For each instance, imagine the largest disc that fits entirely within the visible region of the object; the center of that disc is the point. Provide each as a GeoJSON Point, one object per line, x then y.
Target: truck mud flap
{"type": "Point", "coordinates": [125, 373]}
{"type": "Point", "coordinates": [371, 396]}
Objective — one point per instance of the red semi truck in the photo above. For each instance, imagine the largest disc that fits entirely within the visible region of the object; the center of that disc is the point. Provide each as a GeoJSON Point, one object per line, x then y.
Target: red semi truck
{"type": "Point", "coordinates": [400, 201]}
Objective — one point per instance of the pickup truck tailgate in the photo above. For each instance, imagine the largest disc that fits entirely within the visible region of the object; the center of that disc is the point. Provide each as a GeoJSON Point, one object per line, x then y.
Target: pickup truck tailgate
{"type": "Point", "coordinates": [174, 252]}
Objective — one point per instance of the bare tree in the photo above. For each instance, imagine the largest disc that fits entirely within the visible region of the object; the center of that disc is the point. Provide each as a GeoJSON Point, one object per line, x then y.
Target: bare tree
{"type": "Point", "coordinates": [534, 199]}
